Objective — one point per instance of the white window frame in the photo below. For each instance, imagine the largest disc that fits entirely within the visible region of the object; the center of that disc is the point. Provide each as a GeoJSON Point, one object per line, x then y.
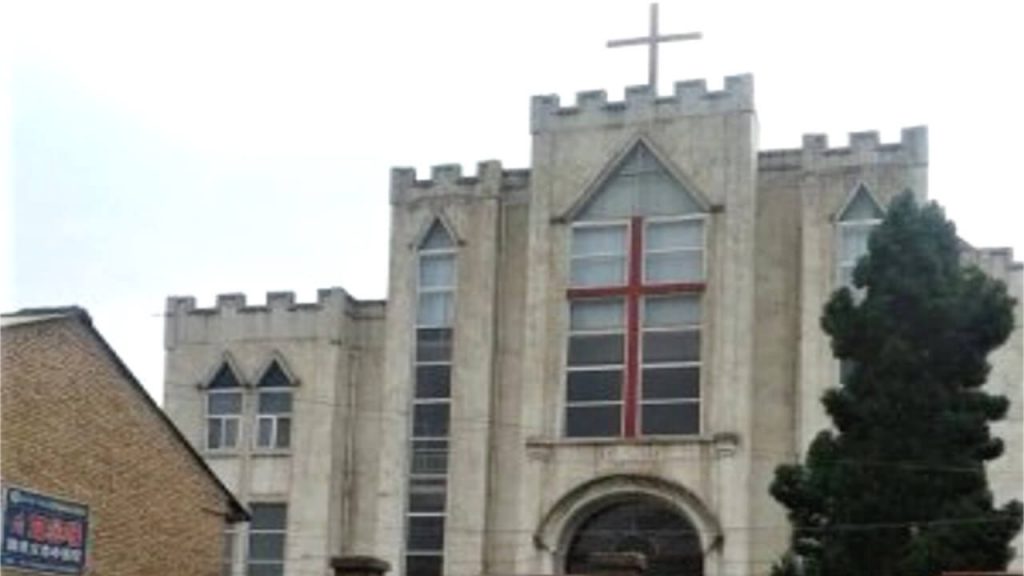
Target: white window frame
{"type": "Point", "coordinates": [221, 420]}
{"type": "Point", "coordinates": [642, 365]}
{"type": "Point", "coordinates": [702, 249]}
{"type": "Point", "coordinates": [842, 264]}
{"type": "Point", "coordinates": [283, 562]}
{"type": "Point", "coordinates": [620, 367]}
{"type": "Point", "coordinates": [275, 420]}
{"type": "Point", "coordinates": [625, 224]}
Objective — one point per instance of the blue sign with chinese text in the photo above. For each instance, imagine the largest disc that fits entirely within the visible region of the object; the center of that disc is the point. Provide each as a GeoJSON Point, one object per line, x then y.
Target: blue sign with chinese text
{"type": "Point", "coordinates": [43, 533]}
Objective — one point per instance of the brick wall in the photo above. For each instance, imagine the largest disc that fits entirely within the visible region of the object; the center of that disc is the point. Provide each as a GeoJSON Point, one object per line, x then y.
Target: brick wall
{"type": "Point", "coordinates": [76, 428]}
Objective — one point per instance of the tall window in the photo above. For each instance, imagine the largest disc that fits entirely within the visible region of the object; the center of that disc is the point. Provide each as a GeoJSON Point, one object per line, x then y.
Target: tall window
{"type": "Point", "coordinates": [223, 410]}
{"type": "Point", "coordinates": [856, 221]}
{"type": "Point", "coordinates": [635, 296]}
{"type": "Point", "coordinates": [227, 567]}
{"type": "Point", "coordinates": [266, 549]}
{"type": "Point", "coordinates": [274, 409]}
{"type": "Point", "coordinates": [431, 405]}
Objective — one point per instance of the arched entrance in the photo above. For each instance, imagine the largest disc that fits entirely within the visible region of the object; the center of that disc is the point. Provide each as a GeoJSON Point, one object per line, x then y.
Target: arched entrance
{"type": "Point", "coordinates": [669, 541]}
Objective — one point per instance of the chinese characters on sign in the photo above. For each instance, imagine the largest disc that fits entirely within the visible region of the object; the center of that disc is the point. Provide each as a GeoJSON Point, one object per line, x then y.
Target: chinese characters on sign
{"type": "Point", "coordinates": [43, 533]}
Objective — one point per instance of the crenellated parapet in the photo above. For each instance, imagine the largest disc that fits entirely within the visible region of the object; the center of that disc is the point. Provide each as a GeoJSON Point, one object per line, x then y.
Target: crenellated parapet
{"type": "Point", "coordinates": [862, 148]}
{"type": "Point", "coordinates": [690, 98]}
{"type": "Point", "coordinates": [997, 262]}
{"type": "Point", "coordinates": [449, 180]}
{"type": "Point", "coordinates": [280, 316]}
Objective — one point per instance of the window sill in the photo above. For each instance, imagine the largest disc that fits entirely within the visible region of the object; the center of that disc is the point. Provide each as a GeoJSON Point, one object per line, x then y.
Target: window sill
{"type": "Point", "coordinates": [271, 453]}
{"type": "Point", "coordinates": [724, 443]}
{"type": "Point", "coordinates": [221, 454]}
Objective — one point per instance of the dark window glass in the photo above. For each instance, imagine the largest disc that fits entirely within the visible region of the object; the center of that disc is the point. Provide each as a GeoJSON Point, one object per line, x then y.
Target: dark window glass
{"type": "Point", "coordinates": [429, 456]}
{"type": "Point", "coordinates": [427, 495]}
{"type": "Point", "coordinates": [595, 385]}
{"type": "Point", "coordinates": [268, 516]}
{"type": "Point", "coordinates": [221, 403]}
{"type": "Point", "coordinates": [266, 546]}
{"type": "Point", "coordinates": [274, 569]}
{"type": "Point", "coordinates": [275, 402]}
{"type": "Point", "coordinates": [433, 381]}
{"type": "Point", "coordinates": [284, 432]}
{"type": "Point", "coordinates": [671, 382]}
{"type": "Point", "coordinates": [595, 349]}
{"type": "Point", "coordinates": [264, 431]}
{"type": "Point", "coordinates": [672, 346]}
{"type": "Point", "coordinates": [683, 418]}
{"type": "Point", "coordinates": [430, 420]}
{"type": "Point", "coordinates": [434, 345]}
{"type": "Point", "coordinates": [274, 377]}
{"type": "Point", "coordinates": [225, 378]}
{"type": "Point", "coordinates": [425, 533]}
{"type": "Point", "coordinates": [666, 538]}
{"type": "Point", "coordinates": [416, 565]}
{"type": "Point", "coordinates": [593, 421]}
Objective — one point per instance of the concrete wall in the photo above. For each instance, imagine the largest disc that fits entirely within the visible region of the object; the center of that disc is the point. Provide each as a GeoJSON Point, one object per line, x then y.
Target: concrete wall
{"type": "Point", "coordinates": [332, 349]}
{"type": "Point", "coordinates": [74, 428]}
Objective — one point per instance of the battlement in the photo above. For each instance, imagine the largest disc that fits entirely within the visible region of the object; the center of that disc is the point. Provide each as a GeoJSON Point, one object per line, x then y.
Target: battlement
{"type": "Point", "coordinates": [236, 303]}
{"type": "Point", "coordinates": [447, 179]}
{"type": "Point", "coordinates": [690, 98]}
{"type": "Point", "coordinates": [861, 148]}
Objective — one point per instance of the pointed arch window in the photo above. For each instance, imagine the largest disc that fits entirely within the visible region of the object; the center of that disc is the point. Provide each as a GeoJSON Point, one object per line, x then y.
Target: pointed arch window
{"type": "Point", "coordinates": [431, 404]}
{"type": "Point", "coordinates": [274, 408]}
{"type": "Point", "coordinates": [223, 409]}
{"type": "Point", "coordinates": [857, 219]}
{"type": "Point", "coordinates": [637, 277]}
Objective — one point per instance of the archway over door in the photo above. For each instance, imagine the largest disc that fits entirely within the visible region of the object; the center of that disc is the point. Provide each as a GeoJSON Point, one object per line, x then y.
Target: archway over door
{"type": "Point", "coordinates": [641, 523]}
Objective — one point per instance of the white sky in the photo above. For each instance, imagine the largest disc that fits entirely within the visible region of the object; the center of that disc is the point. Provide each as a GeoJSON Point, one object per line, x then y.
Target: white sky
{"type": "Point", "coordinates": [205, 147]}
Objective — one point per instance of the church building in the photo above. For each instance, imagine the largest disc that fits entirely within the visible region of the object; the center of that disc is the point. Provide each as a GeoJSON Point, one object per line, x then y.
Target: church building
{"type": "Point", "coordinates": [610, 350]}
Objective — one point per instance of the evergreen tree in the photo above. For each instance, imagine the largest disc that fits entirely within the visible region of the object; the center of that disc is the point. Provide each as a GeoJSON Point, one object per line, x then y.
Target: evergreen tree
{"type": "Point", "coordinates": [899, 487]}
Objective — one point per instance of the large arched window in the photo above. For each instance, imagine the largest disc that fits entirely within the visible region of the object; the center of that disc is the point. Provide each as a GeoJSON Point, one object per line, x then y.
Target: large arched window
{"type": "Point", "coordinates": [636, 280]}
{"type": "Point", "coordinates": [666, 538]}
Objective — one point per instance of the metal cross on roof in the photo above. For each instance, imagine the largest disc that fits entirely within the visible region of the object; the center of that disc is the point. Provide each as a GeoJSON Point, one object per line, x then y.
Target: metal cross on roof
{"type": "Point", "coordinates": [652, 40]}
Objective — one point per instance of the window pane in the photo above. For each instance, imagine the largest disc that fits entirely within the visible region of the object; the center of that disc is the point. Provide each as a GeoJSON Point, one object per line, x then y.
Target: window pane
{"type": "Point", "coordinates": [275, 402]}
{"type": "Point", "coordinates": [671, 418]}
{"type": "Point", "coordinates": [264, 432]}
{"type": "Point", "coordinates": [595, 349]}
{"type": "Point", "coordinates": [427, 494]}
{"type": "Point", "coordinates": [434, 344]}
{"type": "Point", "coordinates": [853, 242]}
{"type": "Point", "coordinates": [268, 516]}
{"type": "Point", "coordinates": [596, 314]}
{"type": "Point", "coordinates": [661, 195]}
{"type": "Point", "coordinates": [595, 385]}
{"type": "Point", "coordinates": [671, 310]}
{"type": "Point", "coordinates": [274, 377]}
{"type": "Point", "coordinates": [676, 346]}
{"type": "Point", "coordinates": [685, 266]}
{"type": "Point", "coordinates": [266, 545]}
{"type": "Point", "coordinates": [430, 420]}
{"type": "Point", "coordinates": [425, 533]}
{"type": "Point", "coordinates": [598, 271]}
{"type": "Point", "coordinates": [422, 565]}
{"type": "Point", "coordinates": [220, 403]}
{"type": "Point", "coordinates": [429, 456]}
{"type": "Point", "coordinates": [433, 381]}
{"type": "Point", "coordinates": [214, 433]}
{"type": "Point", "coordinates": [592, 421]}
{"type": "Point", "coordinates": [671, 383]}
{"type": "Point", "coordinates": [437, 270]}
{"type": "Point", "coordinates": [230, 432]}
{"type": "Point", "coordinates": [670, 235]}
{"type": "Point", "coordinates": [435, 309]}
{"type": "Point", "coordinates": [274, 569]}
{"type": "Point", "coordinates": [589, 240]}
{"type": "Point", "coordinates": [284, 432]}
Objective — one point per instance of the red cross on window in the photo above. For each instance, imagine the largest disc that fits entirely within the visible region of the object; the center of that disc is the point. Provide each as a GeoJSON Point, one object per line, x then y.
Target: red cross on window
{"type": "Point", "coordinates": [634, 340]}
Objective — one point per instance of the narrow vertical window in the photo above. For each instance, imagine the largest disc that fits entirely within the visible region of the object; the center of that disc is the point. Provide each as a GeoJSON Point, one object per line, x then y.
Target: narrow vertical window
{"type": "Point", "coordinates": [856, 221]}
{"type": "Point", "coordinates": [266, 549]}
{"type": "Point", "coordinates": [637, 275]}
{"type": "Point", "coordinates": [223, 410]}
{"type": "Point", "coordinates": [229, 550]}
{"type": "Point", "coordinates": [431, 405]}
{"type": "Point", "coordinates": [274, 409]}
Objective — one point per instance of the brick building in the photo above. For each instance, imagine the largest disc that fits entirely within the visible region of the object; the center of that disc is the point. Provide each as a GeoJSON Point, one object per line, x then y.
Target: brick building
{"type": "Point", "coordinates": [80, 431]}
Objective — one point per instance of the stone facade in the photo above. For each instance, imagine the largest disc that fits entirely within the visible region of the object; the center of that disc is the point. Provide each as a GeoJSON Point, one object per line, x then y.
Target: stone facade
{"type": "Point", "coordinates": [518, 488]}
{"type": "Point", "coordinates": [76, 426]}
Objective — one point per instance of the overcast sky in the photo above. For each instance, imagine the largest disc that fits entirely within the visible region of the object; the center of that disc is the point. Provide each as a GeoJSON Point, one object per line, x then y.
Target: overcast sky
{"type": "Point", "coordinates": [181, 147]}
